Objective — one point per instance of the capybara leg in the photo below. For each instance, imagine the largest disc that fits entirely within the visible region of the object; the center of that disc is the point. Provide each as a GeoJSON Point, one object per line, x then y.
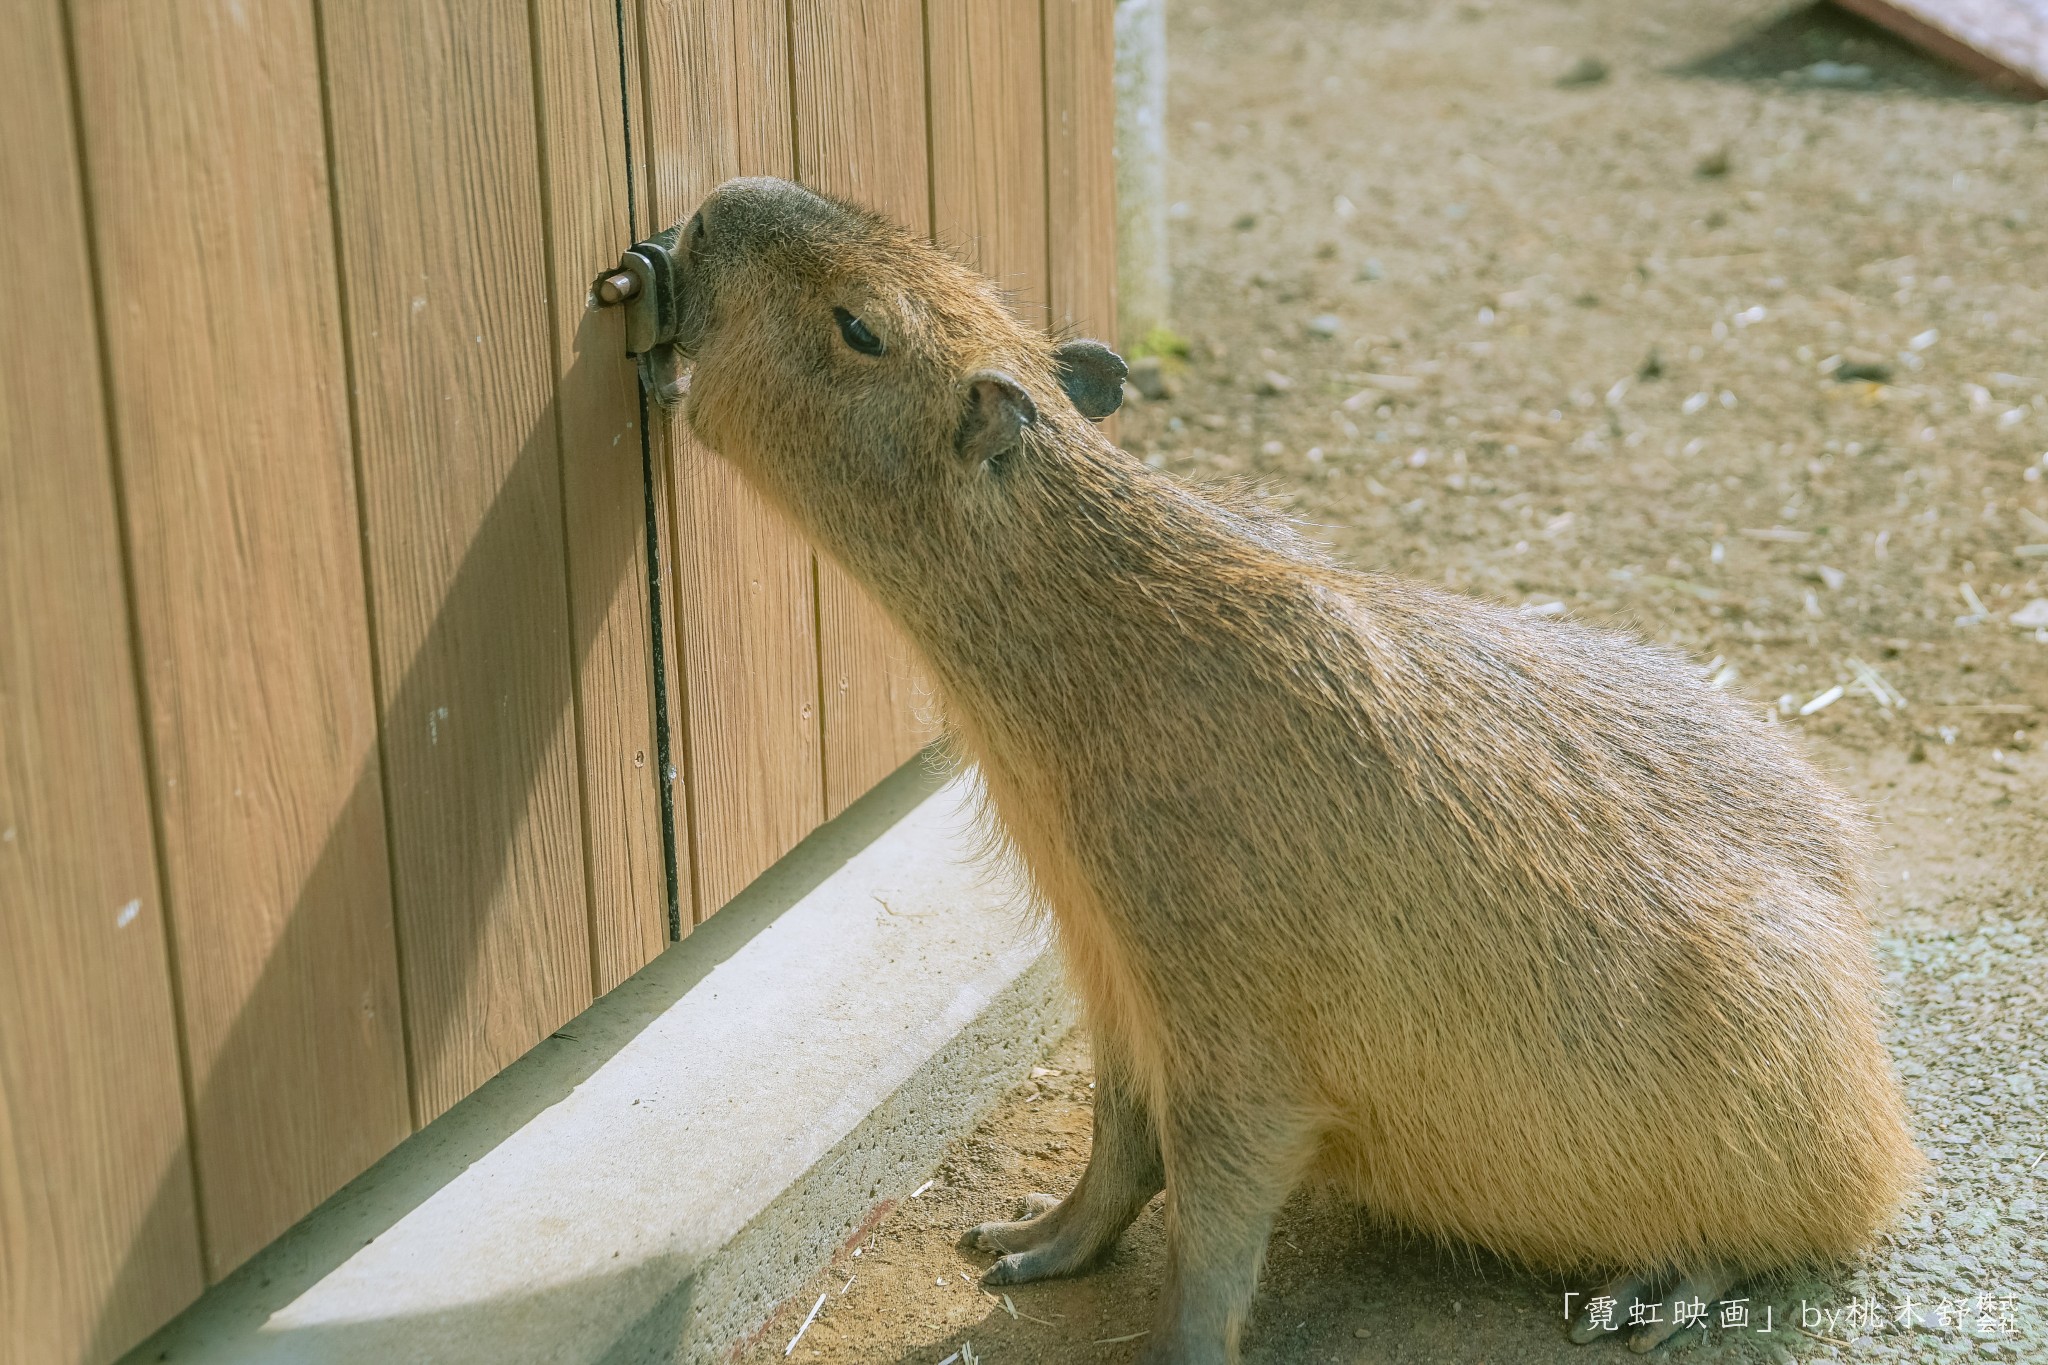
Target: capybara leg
{"type": "Point", "coordinates": [1632, 1301]}
{"type": "Point", "coordinates": [1029, 1208]}
{"type": "Point", "coordinates": [1123, 1173]}
{"type": "Point", "coordinates": [1224, 1187]}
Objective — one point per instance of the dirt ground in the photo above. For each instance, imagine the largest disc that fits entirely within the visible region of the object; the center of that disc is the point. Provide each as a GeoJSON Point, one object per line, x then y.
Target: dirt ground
{"type": "Point", "coordinates": [1723, 324]}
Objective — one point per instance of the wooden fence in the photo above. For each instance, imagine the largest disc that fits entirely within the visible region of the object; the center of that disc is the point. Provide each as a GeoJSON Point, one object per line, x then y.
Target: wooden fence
{"type": "Point", "coordinates": [331, 773]}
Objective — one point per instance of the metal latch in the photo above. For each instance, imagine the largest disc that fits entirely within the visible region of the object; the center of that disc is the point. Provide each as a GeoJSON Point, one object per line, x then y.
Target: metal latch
{"type": "Point", "coordinates": [646, 283]}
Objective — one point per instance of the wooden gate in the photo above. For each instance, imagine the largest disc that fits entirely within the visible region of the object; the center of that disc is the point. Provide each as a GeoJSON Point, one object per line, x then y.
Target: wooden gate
{"type": "Point", "coordinates": [374, 690]}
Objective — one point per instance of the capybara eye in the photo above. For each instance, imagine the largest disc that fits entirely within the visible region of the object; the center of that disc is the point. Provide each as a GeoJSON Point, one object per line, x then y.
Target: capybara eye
{"type": "Point", "coordinates": [856, 333]}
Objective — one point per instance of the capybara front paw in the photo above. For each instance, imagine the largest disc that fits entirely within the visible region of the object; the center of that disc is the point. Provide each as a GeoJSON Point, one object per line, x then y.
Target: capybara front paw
{"type": "Point", "coordinates": [1019, 1267]}
{"type": "Point", "coordinates": [1015, 1235]}
{"type": "Point", "coordinates": [986, 1237]}
{"type": "Point", "coordinates": [1047, 1259]}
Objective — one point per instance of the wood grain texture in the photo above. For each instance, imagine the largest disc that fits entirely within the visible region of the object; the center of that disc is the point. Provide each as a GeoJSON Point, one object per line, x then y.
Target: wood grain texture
{"type": "Point", "coordinates": [438, 197]}
{"type": "Point", "coordinates": [716, 76]}
{"type": "Point", "coordinates": [2003, 43]}
{"type": "Point", "coordinates": [1080, 171]}
{"type": "Point", "coordinates": [206, 156]}
{"type": "Point", "coordinates": [1080, 166]}
{"type": "Point", "coordinates": [99, 1231]}
{"type": "Point", "coordinates": [988, 143]}
{"type": "Point", "coordinates": [860, 129]}
{"type": "Point", "coordinates": [583, 157]}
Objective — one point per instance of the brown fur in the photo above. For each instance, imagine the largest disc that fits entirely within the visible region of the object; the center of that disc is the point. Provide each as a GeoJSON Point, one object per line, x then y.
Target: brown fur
{"type": "Point", "coordinates": [1515, 927]}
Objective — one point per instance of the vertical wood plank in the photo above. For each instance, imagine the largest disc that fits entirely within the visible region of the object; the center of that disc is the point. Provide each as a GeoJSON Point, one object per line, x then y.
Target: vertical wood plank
{"type": "Point", "coordinates": [99, 1233]}
{"type": "Point", "coordinates": [204, 143]}
{"type": "Point", "coordinates": [438, 199]}
{"type": "Point", "coordinates": [1080, 156]}
{"type": "Point", "coordinates": [860, 127]}
{"type": "Point", "coordinates": [1080, 171]}
{"type": "Point", "coordinates": [988, 143]}
{"type": "Point", "coordinates": [860, 104]}
{"type": "Point", "coordinates": [583, 158]}
{"type": "Point", "coordinates": [716, 81]}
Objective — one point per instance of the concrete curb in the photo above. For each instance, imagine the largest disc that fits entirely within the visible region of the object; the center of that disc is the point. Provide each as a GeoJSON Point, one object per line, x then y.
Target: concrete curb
{"type": "Point", "coordinates": [865, 1176]}
{"type": "Point", "coordinates": [648, 1184]}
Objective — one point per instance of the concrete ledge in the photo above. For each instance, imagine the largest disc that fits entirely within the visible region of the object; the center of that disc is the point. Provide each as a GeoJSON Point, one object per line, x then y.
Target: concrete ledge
{"type": "Point", "coordinates": [646, 1185]}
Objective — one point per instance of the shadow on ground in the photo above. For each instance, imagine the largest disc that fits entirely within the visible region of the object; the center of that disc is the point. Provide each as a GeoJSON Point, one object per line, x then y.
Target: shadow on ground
{"type": "Point", "coordinates": [1825, 47]}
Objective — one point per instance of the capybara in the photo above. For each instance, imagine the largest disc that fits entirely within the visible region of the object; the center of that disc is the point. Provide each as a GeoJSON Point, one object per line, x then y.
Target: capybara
{"type": "Point", "coordinates": [1518, 930]}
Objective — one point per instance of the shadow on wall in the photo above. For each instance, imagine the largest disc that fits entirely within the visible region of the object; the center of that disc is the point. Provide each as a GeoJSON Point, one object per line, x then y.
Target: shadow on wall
{"type": "Point", "coordinates": [268, 1309]}
{"type": "Point", "coordinates": [461, 655]}
{"type": "Point", "coordinates": [1821, 46]}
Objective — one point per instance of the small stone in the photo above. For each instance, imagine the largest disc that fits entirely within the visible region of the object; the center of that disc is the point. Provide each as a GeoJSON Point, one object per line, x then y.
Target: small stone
{"type": "Point", "coordinates": [1272, 448]}
{"type": "Point", "coordinates": [1713, 165]}
{"type": "Point", "coordinates": [1361, 1332]}
{"type": "Point", "coordinates": [1326, 324]}
{"type": "Point", "coordinates": [1585, 71]}
{"type": "Point", "coordinates": [1372, 270]}
{"type": "Point", "coordinates": [2033, 616]}
{"type": "Point", "coordinates": [1150, 379]}
{"type": "Point", "coordinates": [1866, 366]}
{"type": "Point", "coordinates": [1273, 382]}
{"type": "Point", "coordinates": [1836, 73]}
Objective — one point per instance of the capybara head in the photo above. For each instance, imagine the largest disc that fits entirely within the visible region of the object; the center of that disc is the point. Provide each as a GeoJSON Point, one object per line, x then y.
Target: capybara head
{"type": "Point", "coordinates": [853, 370]}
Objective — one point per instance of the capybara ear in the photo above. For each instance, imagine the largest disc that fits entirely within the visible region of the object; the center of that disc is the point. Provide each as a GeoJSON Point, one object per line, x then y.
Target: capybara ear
{"type": "Point", "coordinates": [997, 411]}
{"type": "Point", "coordinates": [1093, 376]}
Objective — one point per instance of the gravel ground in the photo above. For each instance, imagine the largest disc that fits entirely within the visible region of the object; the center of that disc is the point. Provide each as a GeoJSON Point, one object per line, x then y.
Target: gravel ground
{"type": "Point", "coordinates": [1721, 324]}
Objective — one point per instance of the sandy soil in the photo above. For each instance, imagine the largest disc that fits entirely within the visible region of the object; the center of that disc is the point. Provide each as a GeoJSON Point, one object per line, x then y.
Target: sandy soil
{"type": "Point", "coordinates": [1605, 320]}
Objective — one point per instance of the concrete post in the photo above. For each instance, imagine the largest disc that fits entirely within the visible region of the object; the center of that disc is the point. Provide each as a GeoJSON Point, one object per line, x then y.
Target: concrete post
{"type": "Point", "coordinates": [1143, 277]}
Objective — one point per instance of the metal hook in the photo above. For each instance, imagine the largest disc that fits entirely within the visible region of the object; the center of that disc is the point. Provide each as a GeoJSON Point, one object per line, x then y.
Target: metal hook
{"type": "Point", "coordinates": [646, 284]}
